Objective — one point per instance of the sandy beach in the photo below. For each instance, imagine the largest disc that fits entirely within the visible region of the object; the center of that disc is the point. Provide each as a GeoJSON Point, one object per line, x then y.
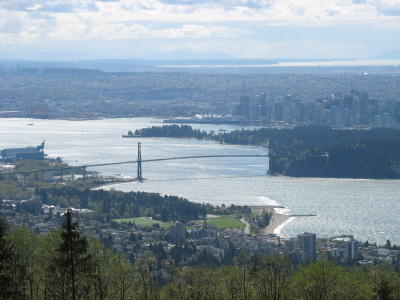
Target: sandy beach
{"type": "Point", "coordinates": [276, 219]}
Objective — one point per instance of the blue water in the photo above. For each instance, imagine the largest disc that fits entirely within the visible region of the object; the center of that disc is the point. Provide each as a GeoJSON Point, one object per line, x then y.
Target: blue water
{"type": "Point", "coordinates": [368, 209]}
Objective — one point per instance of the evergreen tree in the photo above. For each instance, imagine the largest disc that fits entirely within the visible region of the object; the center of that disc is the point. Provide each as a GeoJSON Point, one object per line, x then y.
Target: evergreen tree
{"type": "Point", "coordinates": [71, 267]}
{"type": "Point", "coordinates": [388, 244]}
{"type": "Point", "coordinates": [384, 291]}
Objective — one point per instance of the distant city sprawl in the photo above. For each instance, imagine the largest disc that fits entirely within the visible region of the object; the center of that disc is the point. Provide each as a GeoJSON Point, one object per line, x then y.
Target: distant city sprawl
{"type": "Point", "coordinates": [342, 99]}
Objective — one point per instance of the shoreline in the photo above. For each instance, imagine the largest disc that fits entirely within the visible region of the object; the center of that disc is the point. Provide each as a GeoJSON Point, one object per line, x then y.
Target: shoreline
{"type": "Point", "coordinates": [277, 221]}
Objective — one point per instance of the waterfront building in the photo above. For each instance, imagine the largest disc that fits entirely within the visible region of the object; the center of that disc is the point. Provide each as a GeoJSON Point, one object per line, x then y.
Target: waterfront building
{"type": "Point", "coordinates": [31, 153]}
{"type": "Point", "coordinates": [306, 242]}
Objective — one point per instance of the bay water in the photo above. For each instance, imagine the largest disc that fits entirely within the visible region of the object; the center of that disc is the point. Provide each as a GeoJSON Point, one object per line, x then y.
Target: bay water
{"type": "Point", "coordinates": [367, 209]}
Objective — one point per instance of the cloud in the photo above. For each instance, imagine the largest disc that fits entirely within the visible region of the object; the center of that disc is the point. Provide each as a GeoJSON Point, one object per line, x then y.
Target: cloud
{"type": "Point", "coordinates": [196, 21]}
{"type": "Point", "coordinates": [282, 11]}
{"type": "Point", "coordinates": [267, 12]}
{"type": "Point", "coordinates": [43, 6]}
{"type": "Point", "coordinates": [105, 20]}
{"type": "Point", "coordinates": [67, 30]}
{"type": "Point", "coordinates": [388, 7]}
{"type": "Point", "coordinates": [228, 4]}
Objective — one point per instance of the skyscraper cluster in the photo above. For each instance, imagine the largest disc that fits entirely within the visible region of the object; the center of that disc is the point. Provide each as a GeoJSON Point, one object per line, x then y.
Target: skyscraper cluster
{"type": "Point", "coordinates": [355, 109]}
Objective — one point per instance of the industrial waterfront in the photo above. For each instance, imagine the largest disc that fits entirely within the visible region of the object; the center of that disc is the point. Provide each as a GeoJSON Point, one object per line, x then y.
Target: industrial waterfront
{"type": "Point", "coordinates": [368, 209]}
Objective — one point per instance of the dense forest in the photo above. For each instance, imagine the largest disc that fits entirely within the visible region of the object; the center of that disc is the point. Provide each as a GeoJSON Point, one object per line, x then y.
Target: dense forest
{"type": "Point", "coordinates": [371, 159]}
{"type": "Point", "coordinates": [114, 204]}
{"type": "Point", "coordinates": [311, 151]}
{"type": "Point", "coordinates": [64, 264]}
{"type": "Point", "coordinates": [173, 131]}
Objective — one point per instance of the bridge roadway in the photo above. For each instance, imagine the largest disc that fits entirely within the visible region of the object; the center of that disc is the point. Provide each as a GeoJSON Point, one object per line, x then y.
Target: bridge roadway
{"type": "Point", "coordinates": [132, 162]}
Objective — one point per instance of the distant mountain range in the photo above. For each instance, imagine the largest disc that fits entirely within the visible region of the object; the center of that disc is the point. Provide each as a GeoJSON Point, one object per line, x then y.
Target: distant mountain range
{"type": "Point", "coordinates": [186, 62]}
{"type": "Point", "coordinates": [189, 55]}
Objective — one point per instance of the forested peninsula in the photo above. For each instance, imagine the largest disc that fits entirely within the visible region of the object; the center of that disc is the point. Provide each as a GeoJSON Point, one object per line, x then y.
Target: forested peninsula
{"type": "Point", "coordinates": [310, 151]}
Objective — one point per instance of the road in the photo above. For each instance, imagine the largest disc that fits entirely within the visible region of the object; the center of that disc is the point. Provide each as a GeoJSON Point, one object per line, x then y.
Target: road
{"type": "Point", "coordinates": [247, 228]}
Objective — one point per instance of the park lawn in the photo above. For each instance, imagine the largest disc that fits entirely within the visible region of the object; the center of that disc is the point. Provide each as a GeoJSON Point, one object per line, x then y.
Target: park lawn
{"type": "Point", "coordinates": [140, 221]}
{"type": "Point", "coordinates": [226, 222]}
{"type": "Point", "coordinates": [166, 225]}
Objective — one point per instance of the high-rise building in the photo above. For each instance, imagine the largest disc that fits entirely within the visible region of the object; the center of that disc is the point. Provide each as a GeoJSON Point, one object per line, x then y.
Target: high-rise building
{"type": "Point", "coordinates": [307, 242]}
{"type": "Point", "coordinates": [278, 111]}
{"type": "Point", "coordinates": [262, 104]}
{"type": "Point", "coordinates": [263, 99]}
{"type": "Point", "coordinates": [244, 107]}
{"type": "Point", "coordinates": [351, 249]}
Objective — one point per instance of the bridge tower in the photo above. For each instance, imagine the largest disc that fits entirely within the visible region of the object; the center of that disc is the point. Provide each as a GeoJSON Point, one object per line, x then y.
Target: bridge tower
{"type": "Point", "coordinates": [220, 135]}
{"type": "Point", "coordinates": [139, 176]}
{"type": "Point", "coordinates": [83, 173]}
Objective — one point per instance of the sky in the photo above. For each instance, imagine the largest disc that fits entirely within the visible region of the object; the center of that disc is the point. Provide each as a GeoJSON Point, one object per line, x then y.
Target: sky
{"type": "Point", "coordinates": [204, 29]}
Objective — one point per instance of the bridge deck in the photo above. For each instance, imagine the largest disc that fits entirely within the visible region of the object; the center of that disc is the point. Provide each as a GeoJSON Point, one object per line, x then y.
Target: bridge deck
{"type": "Point", "coordinates": [132, 162]}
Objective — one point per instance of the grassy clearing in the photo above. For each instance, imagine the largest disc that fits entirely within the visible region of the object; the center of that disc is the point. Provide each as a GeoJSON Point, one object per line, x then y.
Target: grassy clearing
{"type": "Point", "coordinates": [226, 222]}
{"type": "Point", "coordinates": [166, 225]}
{"type": "Point", "coordinates": [141, 221]}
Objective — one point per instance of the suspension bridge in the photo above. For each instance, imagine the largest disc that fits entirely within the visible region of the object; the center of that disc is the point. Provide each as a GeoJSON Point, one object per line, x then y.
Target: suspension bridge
{"type": "Point", "coordinates": [139, 161]}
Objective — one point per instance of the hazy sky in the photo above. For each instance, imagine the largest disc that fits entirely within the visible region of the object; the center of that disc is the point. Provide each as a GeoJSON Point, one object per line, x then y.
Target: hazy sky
{"type": "Point", "coordinates": [83, 29]}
